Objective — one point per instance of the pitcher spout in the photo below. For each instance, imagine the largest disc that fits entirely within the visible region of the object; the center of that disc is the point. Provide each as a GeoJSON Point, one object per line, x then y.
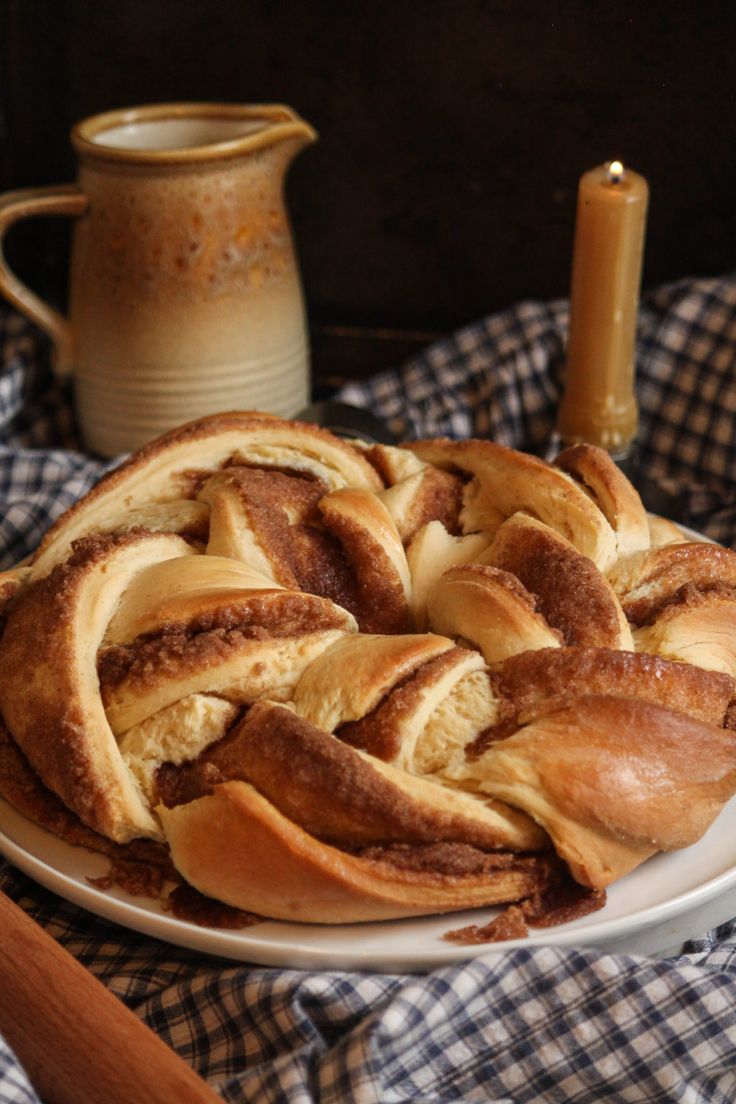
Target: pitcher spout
{"type": "Point", "coordinates": [282, 126]}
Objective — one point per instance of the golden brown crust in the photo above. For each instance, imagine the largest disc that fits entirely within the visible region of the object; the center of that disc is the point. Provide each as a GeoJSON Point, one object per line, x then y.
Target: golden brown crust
{"type": "Point", "coordinates": [612, 780]}
{"type": "Point", "coordinates": [48, 694]}
{"type": "Point", "coordinates": [511, 481]}
{"type": "Point", "coordinates": [316, 882]}
{"type": "Point", "coordinates": [612, 492]}
{"type": "Point", "coordinates": [697, 627]}
{"type": "Point", "coordinates": [428, 495]}
{"type": "Point", "coordinates": [646, 581]}
{"type": "Point", "coordinates": [352, 676]}
{"type": "Point", "coordinates": [164, 469]}
{"type": "Point", "coordinates": [383, 730]}
{"type": "Point", "coordinates": [489, 609]}
{"type": "Point", "coordinates": [393, 463]}
{"type": "Point", "coordinates": [189, 593]}
{"type": "Point", "coordinates": [663, 531]}
{"type": "Point", "coordinates": [433, 551]}
{"type": "Point", "coordinates": [21, 787]}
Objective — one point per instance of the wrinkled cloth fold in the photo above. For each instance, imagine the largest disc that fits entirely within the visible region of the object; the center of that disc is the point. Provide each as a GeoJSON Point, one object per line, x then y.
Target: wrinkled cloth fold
{"type": "Point", "coordinates": [521, 1025]}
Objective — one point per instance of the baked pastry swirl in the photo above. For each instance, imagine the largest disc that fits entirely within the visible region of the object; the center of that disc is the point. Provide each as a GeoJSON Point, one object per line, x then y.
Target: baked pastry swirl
{"type": "Point", "coordinates": [340, 682]}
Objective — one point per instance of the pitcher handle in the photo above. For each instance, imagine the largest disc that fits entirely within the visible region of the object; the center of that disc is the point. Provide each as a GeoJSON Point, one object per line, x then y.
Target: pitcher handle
{"type": "Point", "coordinates": [59, 199]}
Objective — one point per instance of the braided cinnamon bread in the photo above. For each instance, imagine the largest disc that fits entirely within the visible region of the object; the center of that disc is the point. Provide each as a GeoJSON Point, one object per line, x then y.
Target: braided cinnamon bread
{"type": "Point", "coordinates": [340, 682]}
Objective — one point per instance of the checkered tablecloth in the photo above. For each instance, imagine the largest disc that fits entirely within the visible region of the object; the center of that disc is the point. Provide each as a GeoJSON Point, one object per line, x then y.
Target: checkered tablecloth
{"type": "Point", "coordinates": [544, 1024]}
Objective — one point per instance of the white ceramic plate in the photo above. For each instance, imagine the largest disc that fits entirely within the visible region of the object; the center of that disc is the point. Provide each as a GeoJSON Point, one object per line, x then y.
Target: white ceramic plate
{"type": "Point", "coordinates": [654, 909]}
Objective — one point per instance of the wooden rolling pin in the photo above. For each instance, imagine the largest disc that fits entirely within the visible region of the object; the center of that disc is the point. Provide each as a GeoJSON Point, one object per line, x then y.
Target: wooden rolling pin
{"type": "Point", "coordinates": [77, 1042]}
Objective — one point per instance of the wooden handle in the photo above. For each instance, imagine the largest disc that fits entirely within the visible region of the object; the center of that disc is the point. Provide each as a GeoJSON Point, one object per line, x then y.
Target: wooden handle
{"type": "Point", "coordinates": [77, 1042]}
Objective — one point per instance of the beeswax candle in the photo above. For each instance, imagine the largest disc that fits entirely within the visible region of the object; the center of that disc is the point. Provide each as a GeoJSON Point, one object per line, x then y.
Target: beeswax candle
{"type": "Point", "coordinates": [599, 402]}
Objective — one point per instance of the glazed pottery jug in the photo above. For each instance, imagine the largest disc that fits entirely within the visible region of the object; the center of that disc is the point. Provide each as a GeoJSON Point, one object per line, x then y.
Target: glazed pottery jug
{"type": "Point", "coordinates": [185, 296]}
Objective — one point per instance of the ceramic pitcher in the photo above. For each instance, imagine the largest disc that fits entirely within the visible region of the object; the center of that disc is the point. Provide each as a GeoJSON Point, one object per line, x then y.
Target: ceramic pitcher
{"type": "Point", "coordinates": [185, 295]}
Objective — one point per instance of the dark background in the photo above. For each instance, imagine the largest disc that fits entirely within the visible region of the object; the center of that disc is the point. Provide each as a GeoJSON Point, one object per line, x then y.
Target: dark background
{"type": "Point", "coordinates": [452, 136]}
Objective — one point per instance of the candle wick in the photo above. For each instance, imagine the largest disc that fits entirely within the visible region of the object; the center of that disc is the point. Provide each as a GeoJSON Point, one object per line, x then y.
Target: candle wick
{"type": "Point", "coordinates": [615, 172]}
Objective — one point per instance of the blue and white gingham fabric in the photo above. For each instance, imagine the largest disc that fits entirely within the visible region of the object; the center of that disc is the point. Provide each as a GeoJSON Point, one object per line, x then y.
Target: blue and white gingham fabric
{"type": "Point", "coordinates": [548, 1024]}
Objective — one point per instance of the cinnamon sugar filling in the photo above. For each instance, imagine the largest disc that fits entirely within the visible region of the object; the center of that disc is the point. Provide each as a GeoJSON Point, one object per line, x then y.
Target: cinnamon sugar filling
{"type": "Point", "coordinates": [643, 612]}
{"type": "Point", "coordinates": [380, 600]}
{"type": "Point", "coordinates": [212, 637]}
{"type": "Point", "coordinates": [448, 859]}
{"type": "Point", "coordinates": [281, 511]}
{"type": "Point", "coordinates": [569, 591]}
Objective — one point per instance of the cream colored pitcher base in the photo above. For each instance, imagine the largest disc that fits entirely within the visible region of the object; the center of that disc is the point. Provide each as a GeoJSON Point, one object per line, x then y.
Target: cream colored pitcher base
{"type": "Point", "coordinates": [119, 413]}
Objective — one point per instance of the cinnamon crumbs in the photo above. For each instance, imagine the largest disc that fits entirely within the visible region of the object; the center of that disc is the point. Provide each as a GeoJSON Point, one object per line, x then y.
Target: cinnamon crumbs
{"type": "Point", "coordinates": [560, 902]}
{"type": "Point", "coordinates": [187, 904]}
